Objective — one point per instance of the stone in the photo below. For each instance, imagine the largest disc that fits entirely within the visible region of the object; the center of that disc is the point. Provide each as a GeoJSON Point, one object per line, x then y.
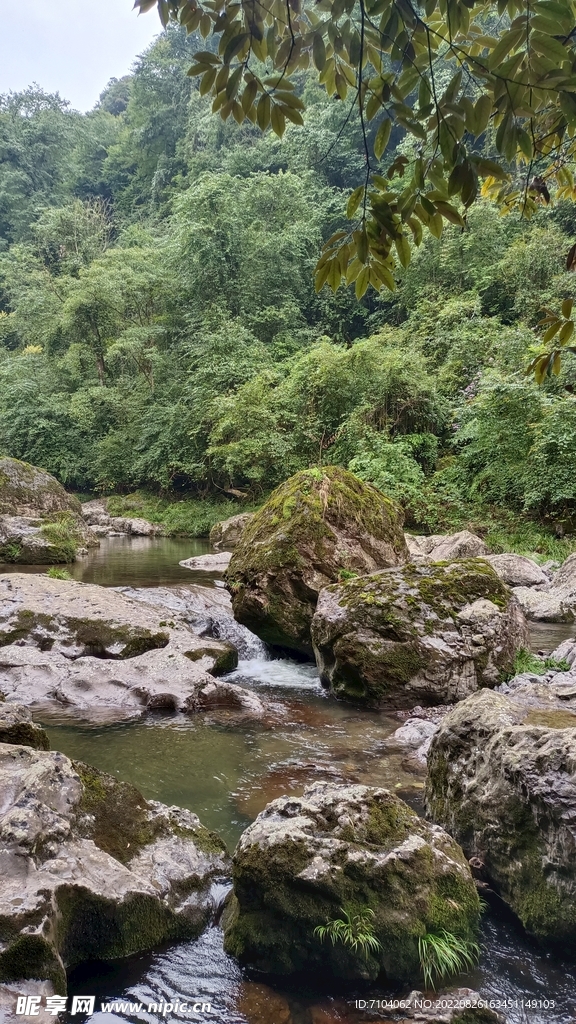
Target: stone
{"type": "Point", "coordinates": [428, 633]}
{"type": "Point", "coordinates": [100, 653]}
{"type": "Point", "coordinates": [102, 524]}
{"type": "Point", "coordinates": [207, 610]}
{"type": "Point", "coordinates": [26, 490]}
{"type": "Point", "coordinates": [318, 526]}
{"type": "Point", "coordinates": [446, 547]}
{"type": "Point", "coordinates": [91, 870]}
{"type": "Point", "coordinates": [260, 1004]}
{"type": "Point", "coordinates": [543, 605]}
{"type": "Point", "coordinates": [517, 570]}
{"type": "Point", "coordinates": [228, 533]}
{"type": "Point", "coordinates": [217, 562]}
{"type": "Point", "coordinates": [16, 726]}
{"type": "Point", "coordinates": [308, 860]}
{"type": "Point", "coordinates": [502, 780]}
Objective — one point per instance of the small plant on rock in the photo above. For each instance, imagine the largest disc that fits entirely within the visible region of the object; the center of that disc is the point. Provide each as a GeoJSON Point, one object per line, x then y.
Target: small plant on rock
{"type": "Point", "coordinates": [57, 573]}
{"type": "Point", "coordinates": [526, 661]}
{"type": "Point", "coordinates": [444, 954]}
{"type": "Point", "coordinates": [355, 929]}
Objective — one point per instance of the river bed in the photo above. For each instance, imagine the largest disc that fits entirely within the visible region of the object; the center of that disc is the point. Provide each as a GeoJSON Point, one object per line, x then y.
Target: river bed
{"type": "Point", "coordinates": [227, 769]}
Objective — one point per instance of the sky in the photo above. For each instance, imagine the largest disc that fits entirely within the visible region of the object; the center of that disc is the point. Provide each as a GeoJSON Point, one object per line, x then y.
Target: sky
{"type": "Point", "coordinates": [73, 47]}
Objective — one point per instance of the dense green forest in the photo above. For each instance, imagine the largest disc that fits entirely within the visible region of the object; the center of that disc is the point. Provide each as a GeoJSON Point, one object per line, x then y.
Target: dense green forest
{"type": "Point", "coordinates": [160, 331]}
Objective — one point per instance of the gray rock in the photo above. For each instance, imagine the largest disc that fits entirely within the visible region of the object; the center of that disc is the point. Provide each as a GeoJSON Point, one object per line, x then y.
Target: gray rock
{"type": "Point", "coordinates": [16, 726]}
{"type": "Point", "coordinates": [306, 859]}
{"type": "Point", "coordinates": [92, 870]}
{"type": "Point", "coordinates": [446, 547]}
{"type": "Point", "coordinates": [208, 610]}
{"type": "Point", "coordinates": [429, 633]}
{"type": "Point", "coordinates": [217, 562]}
{"type": "Point", "coordinates": [26, 490]}
{"type": "Point", "coordinates": [102, 524]}
{"type": "Point", "coordinates": [517, 570]}
{"type": "Point", "coordinates": [228, 533]}
{"type": "Point", "coordinates": [502, 780]}
{"type": "Point", "coordinates": [544, 605]}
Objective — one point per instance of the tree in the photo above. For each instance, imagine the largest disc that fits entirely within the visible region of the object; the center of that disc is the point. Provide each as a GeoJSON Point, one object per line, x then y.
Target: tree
{"type": "Point", "coordinates": [482, 90]}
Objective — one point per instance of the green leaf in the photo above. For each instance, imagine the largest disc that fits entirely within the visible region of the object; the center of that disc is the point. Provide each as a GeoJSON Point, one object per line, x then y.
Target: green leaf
{"type": "Point", "coordinates": [403, 249]}
{"type": "Point", "coordinates": [566, 332]}
{"type": "Point", "coordinates": [354, 201]}
{"type": "Point", "coordinates": [318, 51]}
{"type": "Point", "coordinates": [567, 308]}
{"type": "Point", "coordinates": [277, 121]}
{"type": "Point", "coordinates": [382, 137]}
{"type": "Point", "coordinates": [362, 282]}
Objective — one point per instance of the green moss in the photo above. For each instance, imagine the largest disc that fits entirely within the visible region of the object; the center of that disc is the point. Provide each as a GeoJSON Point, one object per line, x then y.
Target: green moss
{"type": "Point", "coordinates": [31, 956]}
{"type": "Point", "coordinates": [114, 814]}
{"type": "Point", "coordinates": [225, 659]}
{"type": "Point", "coordinates": [26, 733]}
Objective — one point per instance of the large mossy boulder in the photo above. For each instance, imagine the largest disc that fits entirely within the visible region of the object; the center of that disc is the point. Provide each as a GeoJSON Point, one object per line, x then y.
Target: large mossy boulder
{"type": "Point", "coordinates": [91, 870]}
{"type": "Point", "coordinates": [424, 633]}
{"type": "Point", "coordinates": [502, 781]}
{"type": "Point", "coordinates": [26, 490]}
{"type": "Point", "coordinates": [40, 523]}
{"type": "Point", "coordinates": [307, 861]}
{"type": "Point", "coordinates": [316, 527]}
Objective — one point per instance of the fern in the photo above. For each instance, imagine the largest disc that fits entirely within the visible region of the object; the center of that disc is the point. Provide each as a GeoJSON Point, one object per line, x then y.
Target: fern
{"type": "Point", "coordinates": [444, 954]}
{"type": "Point", "coordinates": [354, 930]}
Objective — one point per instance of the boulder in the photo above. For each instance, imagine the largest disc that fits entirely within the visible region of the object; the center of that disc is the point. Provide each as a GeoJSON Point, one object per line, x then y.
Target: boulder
{"type": "Point", "coordinates": [215, 563]}
{"type": "Point", "coordinates": [208, 610]}
{"type": "Point", "coordinates": [543, 605]}
{"type": "Point", "coordinates": [517, 570]}
{"type": "Point", "coordinates": [502, 780]}
{"type": "Point", "coordinates": [91, 870]}
{"type": "Point", "coordinates": [99, 690]}
{"type": "Point", "coordinates": [307, 861]}
{"type": "Point", "coordinates": [16, 726]}
{"type": "Point", "coordinates": [100, 652]}
{"type": "Point", "coordinates": [317, 526]}
{"type": "Point", "coordinates": [429, 633]}
{"type": "Point", "coordinates": [228, 533]}
{"type": "Point", "coordinates": [26, 490]}
{"type": "Point", "coordinates": [446, 547]}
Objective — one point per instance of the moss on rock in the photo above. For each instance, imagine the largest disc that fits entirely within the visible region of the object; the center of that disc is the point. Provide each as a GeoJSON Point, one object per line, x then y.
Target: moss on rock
{"type": "Point", "coordinates": [420, 633]}
{"type": "Point", "coordinates": [313, 527]}
{"type": "Point", "coordinates": [306, 859]}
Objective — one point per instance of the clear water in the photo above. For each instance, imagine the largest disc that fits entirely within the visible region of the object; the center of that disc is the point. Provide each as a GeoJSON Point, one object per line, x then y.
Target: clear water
{"type": "Point", "coordinates": [134, 562]}
{"type": "Point", "coordinates": [227, 771]}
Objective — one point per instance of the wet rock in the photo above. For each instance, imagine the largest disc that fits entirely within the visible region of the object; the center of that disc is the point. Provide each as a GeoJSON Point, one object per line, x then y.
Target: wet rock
{"type": "Point", "coordinates": [228, 533]}
{"type": "Point", "coordinates": [305, 860]}
{"type": "Point", "coordinates": [92, 870]}
{"type": "Point", "coordinates": [207, 610]}
{"type": "Point", "coordinates": [502, 780]}
{"type": "Point", "coordinates": [317, 525]}
{"type": "Point", "coordinates": [446, 547]}
{"type": "Point", "coordinates": [517, 570]}
{"type": "Point", "coordinates": [427, 632]}
{"type": "Point", "coordinates": [16, 726]}
{"type": "Point", "coordinates": [103, 690]}
{"type": "Point", "coordinates": [216, 693]}
{"type": "Point", "coordinates": [217, 562]}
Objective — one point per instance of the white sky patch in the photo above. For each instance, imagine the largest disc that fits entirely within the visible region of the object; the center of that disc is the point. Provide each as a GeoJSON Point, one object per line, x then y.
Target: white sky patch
{"type": "Point", "coordinates": [70, 46]}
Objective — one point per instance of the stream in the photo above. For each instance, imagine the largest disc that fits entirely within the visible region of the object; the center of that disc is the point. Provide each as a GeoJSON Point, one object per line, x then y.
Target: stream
{"type": "Point", "coordinates": [227, 770]}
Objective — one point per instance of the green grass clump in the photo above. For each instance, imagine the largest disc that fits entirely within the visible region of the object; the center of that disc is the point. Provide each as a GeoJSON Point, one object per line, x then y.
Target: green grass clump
{"type": "Point", "coordinates": [526, 661]}
{"type": "Point", "coordinates": [444, 954]}
{"type": "Point", "coordinates": [55, 572]}
{"type": "Point", "coordinates": [355, 930]}
{"type": "Point", "coordinates": [184, 517]}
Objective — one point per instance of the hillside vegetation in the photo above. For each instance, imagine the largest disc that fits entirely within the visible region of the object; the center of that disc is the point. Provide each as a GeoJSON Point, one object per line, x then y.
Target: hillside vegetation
{"type": "Point", "coordinates": [160, 332]}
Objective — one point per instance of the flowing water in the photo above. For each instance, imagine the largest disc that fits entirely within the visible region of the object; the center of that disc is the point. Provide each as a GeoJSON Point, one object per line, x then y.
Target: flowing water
{"type": "Point", "coordinates": [227, 771]}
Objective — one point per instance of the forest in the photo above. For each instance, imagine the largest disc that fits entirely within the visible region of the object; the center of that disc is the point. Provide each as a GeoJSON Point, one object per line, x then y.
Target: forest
{"type": "Point", "coordinates": [161, 339]}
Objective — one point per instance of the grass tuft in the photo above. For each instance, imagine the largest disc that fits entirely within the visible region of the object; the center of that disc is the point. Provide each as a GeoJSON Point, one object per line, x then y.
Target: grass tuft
{"type": "Point", "coordinates": [444, 954]}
